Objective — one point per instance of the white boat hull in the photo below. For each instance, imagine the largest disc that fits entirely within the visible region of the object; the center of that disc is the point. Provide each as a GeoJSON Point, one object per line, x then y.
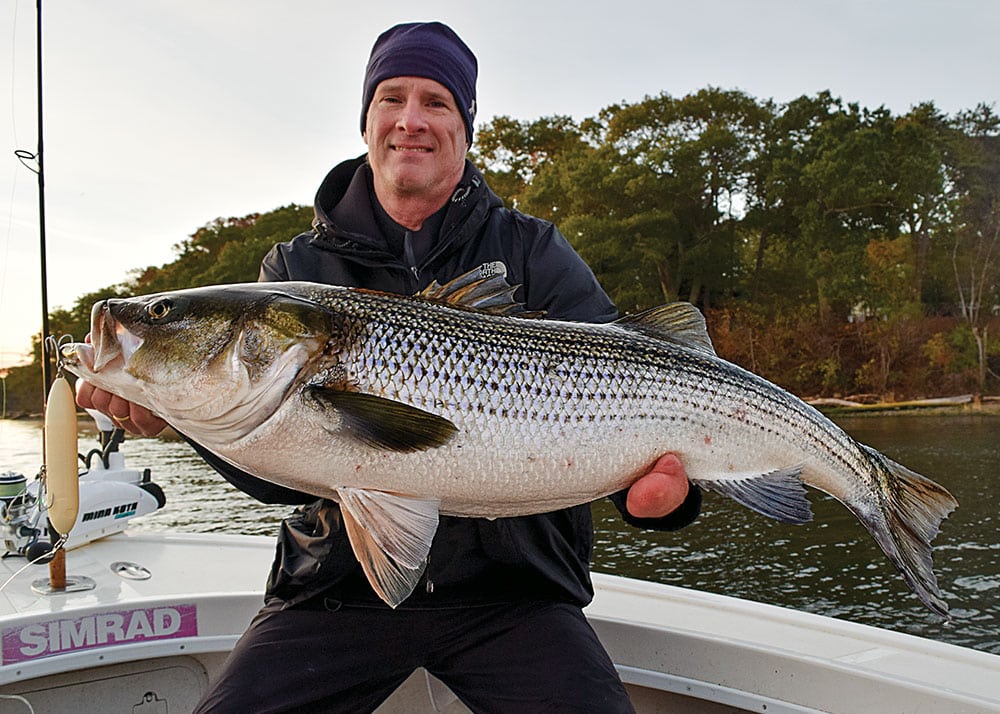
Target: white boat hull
{"type": "Point", "coordinates": [103, 650]}
{"type": "Point", "coordinates": [153, 645]}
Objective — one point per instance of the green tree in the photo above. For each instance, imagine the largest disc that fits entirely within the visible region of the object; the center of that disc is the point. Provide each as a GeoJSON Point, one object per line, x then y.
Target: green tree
{"type": "Point", "coordinates": [651, 194]}
{"type": "Point", "coordinates": [832, 179]}
{"type": "Point", "coordinates": [780, 279]}
{"type": "Point", "coordinates": [918, 163]}
{"type": "Point", "coordinates": [694, 158]}
{"type": "Point", "coordinates": [512, 152]}
{"type": "Point", "coordinates": [976, 250]}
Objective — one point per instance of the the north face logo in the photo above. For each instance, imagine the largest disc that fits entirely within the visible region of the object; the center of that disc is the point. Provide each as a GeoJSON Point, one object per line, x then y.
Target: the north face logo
{"type": "Point", "coordinates": [490, 270]}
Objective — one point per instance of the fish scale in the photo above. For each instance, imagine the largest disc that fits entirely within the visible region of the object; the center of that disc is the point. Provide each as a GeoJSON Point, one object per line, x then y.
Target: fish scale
{"type": "Point", "coordinates": [668, 384]}
{"type": "Point", "coordinates": [401, 408]}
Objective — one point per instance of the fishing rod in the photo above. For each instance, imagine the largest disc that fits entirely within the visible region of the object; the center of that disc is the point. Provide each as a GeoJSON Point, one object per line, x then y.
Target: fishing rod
{"type": "Point", "coordinates": [58, 404]}
{"type": "Point", "coordinates": [39, 170]}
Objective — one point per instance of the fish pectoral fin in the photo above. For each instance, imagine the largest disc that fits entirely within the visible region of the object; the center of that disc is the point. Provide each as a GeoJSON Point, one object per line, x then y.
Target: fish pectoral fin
{"type": "Point", "coordinates": [384, 423]}
{"type": "Point", "coordinates": [778, 494]}
{"type": "Point", "coordinates": [391, 536]}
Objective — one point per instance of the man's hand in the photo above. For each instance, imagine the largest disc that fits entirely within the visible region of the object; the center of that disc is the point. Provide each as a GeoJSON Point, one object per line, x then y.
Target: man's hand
{"type": "Point", "coordinates": [130, 417]}
{"type": "Point", "coordinates": [660, 491]}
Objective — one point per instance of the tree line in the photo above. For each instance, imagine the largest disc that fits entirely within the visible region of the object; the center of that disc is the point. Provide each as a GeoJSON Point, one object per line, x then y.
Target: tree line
{"type": "Point", "coordinates": [834, 249]}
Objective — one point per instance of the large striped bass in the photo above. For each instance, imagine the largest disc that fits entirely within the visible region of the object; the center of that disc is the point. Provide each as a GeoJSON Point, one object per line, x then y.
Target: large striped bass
{"type": "Point", "coordinates": [401, 408]}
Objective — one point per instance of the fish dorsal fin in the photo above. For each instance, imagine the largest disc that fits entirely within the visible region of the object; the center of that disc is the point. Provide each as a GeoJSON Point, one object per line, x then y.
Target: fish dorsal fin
{"type": "Point", "coordinates": [391, 536]}
{"type": "Point", "coordinates": [778, 494]}
{"type": "Point", "coordinates": [484, 289]}
{"type": "Point", "coordinates": [678, 322]}
{"type": "Point", "coordinates": [384, 423]}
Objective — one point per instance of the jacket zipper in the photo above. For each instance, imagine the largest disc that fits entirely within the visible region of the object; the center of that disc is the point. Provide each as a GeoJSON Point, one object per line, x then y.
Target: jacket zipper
{"type": "Point", "coordinates": [408, 255]}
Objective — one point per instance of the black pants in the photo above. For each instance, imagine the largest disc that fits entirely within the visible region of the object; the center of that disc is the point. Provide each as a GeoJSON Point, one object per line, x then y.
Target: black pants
{"type": "Point", "coordinates": [534, 657]}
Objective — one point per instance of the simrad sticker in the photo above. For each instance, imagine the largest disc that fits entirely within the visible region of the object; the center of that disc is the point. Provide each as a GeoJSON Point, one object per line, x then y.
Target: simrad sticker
{"type": "Point", "coordinates": [103, 629]}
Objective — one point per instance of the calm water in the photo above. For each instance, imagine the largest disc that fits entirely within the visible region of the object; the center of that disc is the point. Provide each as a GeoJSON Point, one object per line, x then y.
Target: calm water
{"type": "Point", "coordinates": [830, 566]}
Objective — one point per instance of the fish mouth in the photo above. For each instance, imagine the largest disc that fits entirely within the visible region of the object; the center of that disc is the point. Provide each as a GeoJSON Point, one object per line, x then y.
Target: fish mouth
{"type": "Point", "coordinates": [109, 341]}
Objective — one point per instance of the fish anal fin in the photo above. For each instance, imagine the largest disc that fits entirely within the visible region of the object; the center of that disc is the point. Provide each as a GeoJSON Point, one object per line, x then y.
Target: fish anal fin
{"type": "Point", "coordinates": [385, 423]}
{"type": "Point", "coordinates": [677, 322]}
{"type": "Point", "coordinates": [778, 494]}
{"type": "Point", "coordinates": [391, 536]}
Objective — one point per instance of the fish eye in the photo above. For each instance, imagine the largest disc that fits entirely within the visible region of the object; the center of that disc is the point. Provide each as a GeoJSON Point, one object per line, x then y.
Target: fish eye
{"type": "Point", "coordinates": [159, 309]}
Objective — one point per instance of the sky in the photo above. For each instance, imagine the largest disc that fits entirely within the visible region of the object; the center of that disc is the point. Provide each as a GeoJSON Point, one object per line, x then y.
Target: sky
{"type": "Point", "coordinates": [163, 115]}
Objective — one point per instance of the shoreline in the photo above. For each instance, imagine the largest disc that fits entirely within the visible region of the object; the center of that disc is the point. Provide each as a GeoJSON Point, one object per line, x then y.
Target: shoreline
{"type": "Point", "coordinates": [946, 406]}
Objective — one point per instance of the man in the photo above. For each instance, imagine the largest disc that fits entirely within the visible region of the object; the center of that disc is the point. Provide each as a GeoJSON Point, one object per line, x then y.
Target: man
{"type": "Point", "coordinates": [497, 614]}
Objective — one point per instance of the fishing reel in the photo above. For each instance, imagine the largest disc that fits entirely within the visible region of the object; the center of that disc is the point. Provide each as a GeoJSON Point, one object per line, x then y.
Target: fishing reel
{"type": "Point", "coordinates": [19, 517]}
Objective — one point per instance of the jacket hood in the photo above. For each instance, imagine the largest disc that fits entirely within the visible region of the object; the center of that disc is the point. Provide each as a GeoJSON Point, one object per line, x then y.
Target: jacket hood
{"type": "Point", "coordinates": [345, 219]}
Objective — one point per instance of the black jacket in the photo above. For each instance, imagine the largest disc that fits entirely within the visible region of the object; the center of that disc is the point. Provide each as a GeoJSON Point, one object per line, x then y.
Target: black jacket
{"type": "Point", "coordinates": [472, 561]}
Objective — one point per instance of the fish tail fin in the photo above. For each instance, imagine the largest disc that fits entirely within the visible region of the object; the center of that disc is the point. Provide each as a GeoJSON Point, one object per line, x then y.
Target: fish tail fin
{"type": "Point", "coordinates": [914, 509]}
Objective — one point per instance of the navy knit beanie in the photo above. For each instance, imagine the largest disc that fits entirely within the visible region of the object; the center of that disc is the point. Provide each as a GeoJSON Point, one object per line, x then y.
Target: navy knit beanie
{"type": "Point", "coordinates": [424, 49]}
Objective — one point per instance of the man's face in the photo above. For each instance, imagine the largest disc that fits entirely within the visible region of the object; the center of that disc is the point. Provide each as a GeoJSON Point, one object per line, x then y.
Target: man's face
{"type": "Point", "coordinates": [416, 138]}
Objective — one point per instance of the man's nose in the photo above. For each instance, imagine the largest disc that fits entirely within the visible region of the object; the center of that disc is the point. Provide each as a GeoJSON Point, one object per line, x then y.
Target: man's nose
{"type": "Point", "coordinates": [412, 119]}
